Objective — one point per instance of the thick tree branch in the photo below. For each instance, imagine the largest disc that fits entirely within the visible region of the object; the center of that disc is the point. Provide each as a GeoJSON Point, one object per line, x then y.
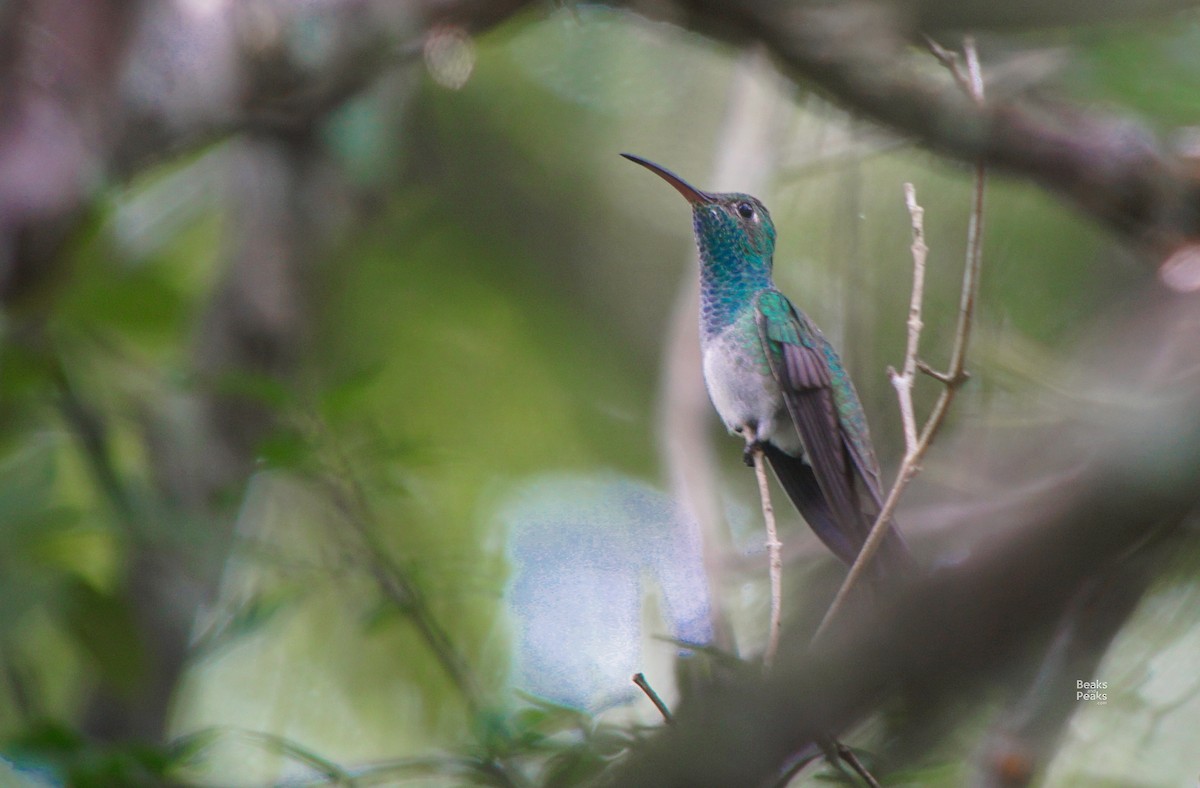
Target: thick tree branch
{"type": "Point", "coordinates": [186, 78]}
{"type": "Point", "coordinates": [859, 55]}
{"type": "Point", "coordinates": [1026, 734]}
{"type": "Point", "coordinates": [252, 67]}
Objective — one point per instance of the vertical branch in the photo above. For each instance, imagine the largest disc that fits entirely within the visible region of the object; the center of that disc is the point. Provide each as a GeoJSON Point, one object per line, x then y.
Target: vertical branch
{"type": "Point", "coordinates": [774, 555]}
{"type": "Point", "coordinates": [903, 381]}
{"type": "Point", "coordinates": [955, 375]}
{"type": "Point", "coordinates": [970, 286]}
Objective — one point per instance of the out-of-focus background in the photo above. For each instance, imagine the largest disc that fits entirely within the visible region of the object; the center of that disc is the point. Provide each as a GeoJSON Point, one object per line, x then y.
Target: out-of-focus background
{"type": "Point", "coordinates": [342, 362]}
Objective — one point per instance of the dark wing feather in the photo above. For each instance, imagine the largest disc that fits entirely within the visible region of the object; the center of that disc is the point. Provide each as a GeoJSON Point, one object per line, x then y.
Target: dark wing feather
{"type": "Point", "coordinates": [825, 490]}
{"type": "Point", "coordinates": [868, 471]}
{"type": "Point", "coordinates": [800, 483]}
{"type": "Point", "coordinates": [894, 555]}
{"type": "Point", "coordinates": [803, 376]}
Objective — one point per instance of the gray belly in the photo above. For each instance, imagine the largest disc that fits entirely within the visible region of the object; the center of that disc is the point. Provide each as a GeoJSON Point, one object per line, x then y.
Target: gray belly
{"type": "Point", "coordinates": [745, 395]}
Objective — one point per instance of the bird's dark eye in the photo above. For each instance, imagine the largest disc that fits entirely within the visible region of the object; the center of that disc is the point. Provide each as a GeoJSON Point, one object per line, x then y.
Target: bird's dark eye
{"type": "Point", "coordinates": [745, 210]}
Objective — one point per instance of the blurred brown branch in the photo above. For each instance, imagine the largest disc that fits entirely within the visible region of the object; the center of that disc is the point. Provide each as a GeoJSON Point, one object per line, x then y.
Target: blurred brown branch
{"type": "Point", "coordinates": [110, 88]}
{"type": "Point", "coordinates": [1026, 733]}
{"type": "Point", "coordinates": [860, 56]}
{"type": "Point", "coordinates": [121, 85]}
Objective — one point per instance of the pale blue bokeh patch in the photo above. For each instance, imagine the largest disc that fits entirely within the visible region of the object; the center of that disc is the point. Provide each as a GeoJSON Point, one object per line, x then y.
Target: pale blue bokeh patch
{"type": "Point", "coordinates": [585, 552]}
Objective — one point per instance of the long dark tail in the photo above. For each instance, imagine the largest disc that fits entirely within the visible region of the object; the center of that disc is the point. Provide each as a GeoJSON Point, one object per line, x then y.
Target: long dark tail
{"type": "Point", "coordinates": [800, 483]}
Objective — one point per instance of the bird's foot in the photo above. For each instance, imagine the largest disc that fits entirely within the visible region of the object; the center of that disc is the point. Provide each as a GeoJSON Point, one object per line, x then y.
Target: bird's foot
{"type": "Point", "coordinates": [748, 452]}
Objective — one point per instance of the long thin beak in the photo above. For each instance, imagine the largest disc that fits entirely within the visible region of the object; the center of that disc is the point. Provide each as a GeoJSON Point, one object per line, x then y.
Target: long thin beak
{"type": "Point", "coordinates": [689, 192]}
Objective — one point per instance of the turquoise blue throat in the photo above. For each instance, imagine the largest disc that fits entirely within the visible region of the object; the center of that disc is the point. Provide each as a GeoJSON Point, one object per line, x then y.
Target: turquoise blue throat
{"type": "Point", "coordinates": [730, 273]}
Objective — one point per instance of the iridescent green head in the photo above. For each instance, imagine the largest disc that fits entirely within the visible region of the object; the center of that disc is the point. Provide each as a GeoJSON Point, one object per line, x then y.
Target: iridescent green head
{"type": "Point", "coordinates": [734, 231]}
{"type": "Point", "coordinates": [735, 225]}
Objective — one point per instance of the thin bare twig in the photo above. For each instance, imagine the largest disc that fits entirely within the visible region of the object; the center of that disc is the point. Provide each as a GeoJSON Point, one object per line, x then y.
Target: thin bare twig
{"type": "Point", "coordinates": [774, 555]}
{"type": "Point", "coordinates": [903, 381]}
{"type": "Point", "coordinates": [953, 378]}
{"type": "Point", "coordinates": [848, 755]}
{"type": "Point", "coordinates": [640, 680]}
{"type": "Point", "coordinates": [952, 61]}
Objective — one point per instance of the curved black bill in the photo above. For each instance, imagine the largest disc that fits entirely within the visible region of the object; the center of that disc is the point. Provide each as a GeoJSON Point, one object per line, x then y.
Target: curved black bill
{"type": "Point", "coordinates": [689, 192]}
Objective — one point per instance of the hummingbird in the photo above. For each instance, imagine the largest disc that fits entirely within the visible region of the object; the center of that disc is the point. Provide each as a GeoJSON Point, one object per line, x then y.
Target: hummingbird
{"type": "Point", "coordinates": [776, 381]}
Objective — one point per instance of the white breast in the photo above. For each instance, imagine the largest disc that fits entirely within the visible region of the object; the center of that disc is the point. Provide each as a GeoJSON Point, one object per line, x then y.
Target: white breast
{"type": "Point", "coordinates": [744, 395]}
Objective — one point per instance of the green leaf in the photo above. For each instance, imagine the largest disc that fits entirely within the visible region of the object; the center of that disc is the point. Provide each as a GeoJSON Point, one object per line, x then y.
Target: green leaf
{"type": "Point", "coordinates": [345, 396]}
{"type": "Point", "coordinates": [104, 626]}
{"type": "Point", "coordinates": [285, 448]}
{"type": "Point", "coordinates": [71, 759]}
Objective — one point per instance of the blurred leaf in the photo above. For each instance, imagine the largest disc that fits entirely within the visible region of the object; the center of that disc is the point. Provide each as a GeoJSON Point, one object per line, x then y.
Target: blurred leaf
{"type": "Point", "coordinates": [285, 447]}
{"type": "Point", "coordinates": [27, 477]}
{"type": "Point", "coordinates": [466, 771]}
{"type": "Point", "coordinates": [533, 726]}
{"type": "Point", "coordinates": [247, 619]}
{"type": "Point", "coordinates": [610, 740]}
{"type": "Point", "coordinates": [382, 614]}
{"type": "Point", "coordinates": [573, 767]}
{"type": "Point", "coordinates": [23, 374]}
{"type": "Point", "coordinates": [88, 552]}
{"type": "Point", "coordinates": [64, 754]}
{"type": "Point", "coordinates": [137, 302]}
{"type": "Point", "coordinates": [932, 774]}
{"type": "Point", "coordinates": [254, 387]}
{"type": "Point", "coordinates": [32, 526]}
{"type": "Point", "coordinates": [345, 396]}
{"type": "Point", "coordinates": [103, 624]}
{"type": "Point", "coordinates": [185, 748]}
